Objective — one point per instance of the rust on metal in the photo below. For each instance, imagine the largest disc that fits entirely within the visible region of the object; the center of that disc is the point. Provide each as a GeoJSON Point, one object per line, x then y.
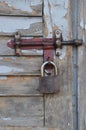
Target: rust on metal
{"type": "Point", "coordinates": [45, 44]}
{"type": "Point", "coordinates": [49, 84]}
{"type": "Point", "coordinates": [48, 45]}
{"type": "Point", "coordinates": [32, 43]}
{"type": "Point", "coordinates": [40, 42]}
{"type": "Point", "coordinates": [17, 44]}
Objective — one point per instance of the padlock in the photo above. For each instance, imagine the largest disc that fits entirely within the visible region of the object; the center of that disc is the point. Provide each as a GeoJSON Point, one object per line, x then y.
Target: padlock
{"type": "Point", "coordinates": [49, 84]}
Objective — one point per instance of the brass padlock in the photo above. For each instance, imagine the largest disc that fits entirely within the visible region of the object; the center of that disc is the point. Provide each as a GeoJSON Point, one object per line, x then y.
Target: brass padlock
{"type": "Point", "coordinates": [49, 84]}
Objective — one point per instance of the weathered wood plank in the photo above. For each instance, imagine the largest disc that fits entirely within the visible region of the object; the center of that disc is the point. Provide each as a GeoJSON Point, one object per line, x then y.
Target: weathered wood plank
{"type": "Point", "coordinates": [19, 111]}
{"type": "Point", "coordinates": [23, 8]}
{"type": "Point", "coordinates": [58, 112]}
{"type": "Point", "coordinates": [6, 51]}
{"type": "Point", "coordinates": [28, 128]}
{"type": "Point", "coordinates": [26, 25]}
{"type": "Point", "coordinates": [20, 65]}
{"type": "Point", "coordinates": [19, 86]}
{"type": "Point", "coordinates": [82, 66]}
{"type": "Point", "coordinates": [58, 107]}
{"type": "Point", "coordinates": [57, 15]}
{"type": "Point", "coordinates": [61, 103]}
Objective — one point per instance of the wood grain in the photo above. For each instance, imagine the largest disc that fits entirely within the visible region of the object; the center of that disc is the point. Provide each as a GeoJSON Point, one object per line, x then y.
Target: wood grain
{"type": "Point", "coordinates": [28, 128]}
{"type": "Point", "coordinates": [26, 25]}
{"type": "Point", "coordinates": [82, 66]}
{"type": "Point", "coordinates": [24, 8]}
{"type": "Point", "coordinates": [19, 111]}
{"type": "Point", "coordinates": [20, 65]}
{"type": "Point", "coordinates": [58, 107]}
{"type": "Point", "coordinates": [19, 86]}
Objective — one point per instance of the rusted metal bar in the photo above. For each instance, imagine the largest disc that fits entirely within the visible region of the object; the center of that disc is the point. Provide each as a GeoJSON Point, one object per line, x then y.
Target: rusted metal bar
{"type": "Point", "coordinates": [32, 43]}
{"type": "Point", "coordinates": [48, 45]}
{"type": "Point", "coordinates": [40, 42]}
{"type": "Point", "coordinates": [75, 42]}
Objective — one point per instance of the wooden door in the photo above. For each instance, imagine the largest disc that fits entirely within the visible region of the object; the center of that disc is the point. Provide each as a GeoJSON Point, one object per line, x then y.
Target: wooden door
{"type": "Point", "coordinates": [22, 107]}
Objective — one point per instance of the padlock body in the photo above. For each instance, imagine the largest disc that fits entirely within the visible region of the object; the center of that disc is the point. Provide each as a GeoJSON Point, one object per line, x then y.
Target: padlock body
{"type": "Point", "coordinates": [49, 84]}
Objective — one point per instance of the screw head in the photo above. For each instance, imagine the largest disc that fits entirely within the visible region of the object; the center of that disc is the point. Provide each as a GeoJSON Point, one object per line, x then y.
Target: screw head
{"type": "Point", "coordinates": [58, 34]}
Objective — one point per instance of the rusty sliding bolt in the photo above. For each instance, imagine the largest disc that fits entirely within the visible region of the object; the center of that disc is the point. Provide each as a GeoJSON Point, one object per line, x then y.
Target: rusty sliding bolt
{"type": "Point", "coordinates": [41, 43]}
{"type": "Point", "coordinates": [60, 42]}
{"type": "Point", "coordinates": [76, 42]}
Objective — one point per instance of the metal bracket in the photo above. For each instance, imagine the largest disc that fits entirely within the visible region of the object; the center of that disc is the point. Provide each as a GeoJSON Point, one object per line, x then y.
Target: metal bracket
{"type": "Point", "coordinates": [17, 43]}
{"type": "Point", "coordinates": [60, 42]}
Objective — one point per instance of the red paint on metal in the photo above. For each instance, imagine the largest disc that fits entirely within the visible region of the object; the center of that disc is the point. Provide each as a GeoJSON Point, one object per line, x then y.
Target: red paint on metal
{"type": "Point", "coordinates": [37, 41]}
{"type": "Point", "coordinates": [45, 44]}
{"type": "Point", "coordinates": [48, 54]}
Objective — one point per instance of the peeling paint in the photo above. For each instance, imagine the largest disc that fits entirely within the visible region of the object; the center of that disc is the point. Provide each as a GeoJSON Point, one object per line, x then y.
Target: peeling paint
{"type": "Point", "coordinates": [6, 119]}
{"type": "Point", "coordinates": [82, 25]}
{"type": "Point", "coordinates": [39, 51]}
{"type": "Point", "coordinates": [47, 21]}
{"type": "Point", "coordinates": [63, 53]}
{"type": "Point", "coordinates": [16, 6]}
{"type": "Point", "coordinates": [12, 24]}
{"type": "Point", "coordinates": [34, 51]}
{"type": "Point", "coordinates": [59, 19]}
{"type": "Point", "coordinates": [23, 6]}
{"type": "Point", "coordinates": [26, 51]}
{"type": "Point", "coordinates": [56, 15]}
{"type": "Point", "coordinates": [66, 3]}
{"type": "Point", "coordinates": [58, 2]}
{"type": "Point", "coordinates": [5, 69]}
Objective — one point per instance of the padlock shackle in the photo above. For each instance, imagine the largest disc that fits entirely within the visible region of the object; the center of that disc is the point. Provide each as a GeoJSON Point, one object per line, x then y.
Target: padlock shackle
{"type": "Point", "coordinates": [45, 63]}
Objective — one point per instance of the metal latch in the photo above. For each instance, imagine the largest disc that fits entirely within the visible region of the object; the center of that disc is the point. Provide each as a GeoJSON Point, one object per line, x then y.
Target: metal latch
{"type": "Point", "coordinates": [48, 84]}
{"type": "Point", "coordinates": [59, 41]}
{"type": "Point", "coordinates": [48, 45]}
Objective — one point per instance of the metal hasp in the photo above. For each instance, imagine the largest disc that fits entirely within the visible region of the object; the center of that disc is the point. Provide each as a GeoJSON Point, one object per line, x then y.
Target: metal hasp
{"type": "Point", "coordinates": [49, 84]}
